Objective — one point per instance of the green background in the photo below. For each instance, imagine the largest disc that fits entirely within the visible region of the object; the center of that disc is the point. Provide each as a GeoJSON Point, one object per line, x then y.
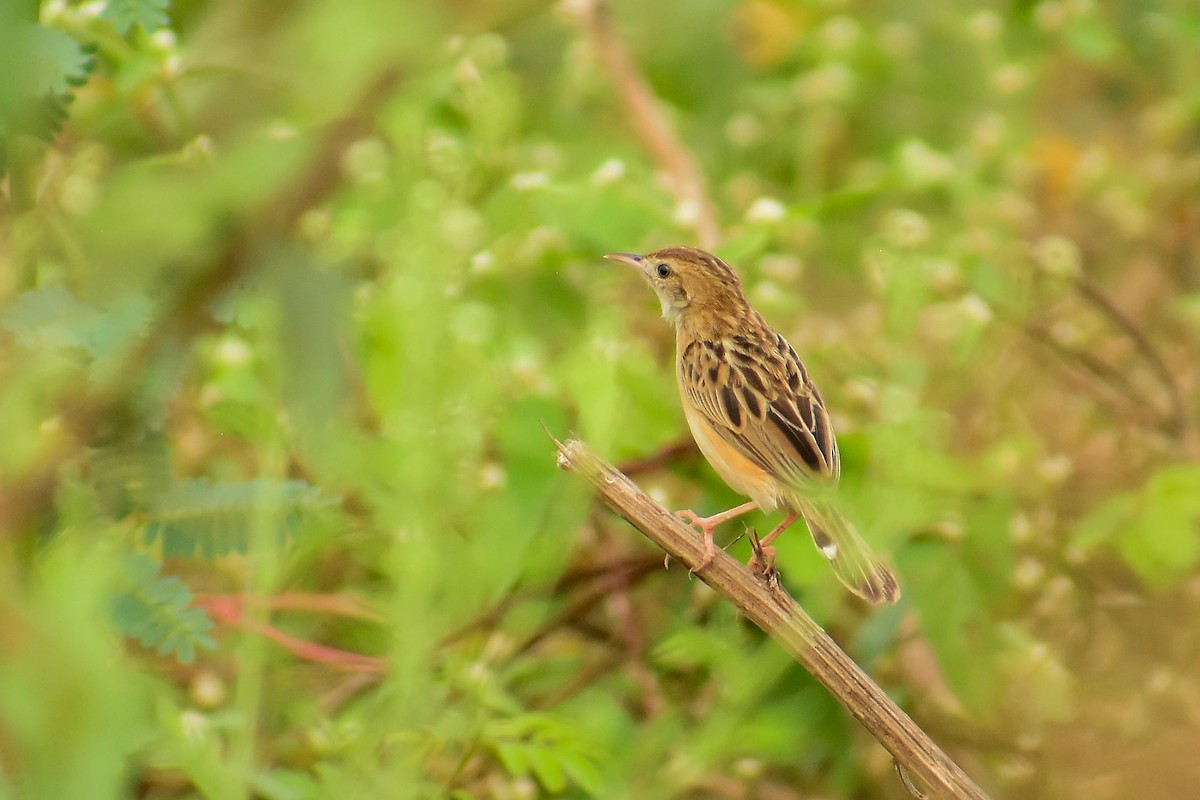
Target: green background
{"type": "Point", "coordinates": [290, 290]}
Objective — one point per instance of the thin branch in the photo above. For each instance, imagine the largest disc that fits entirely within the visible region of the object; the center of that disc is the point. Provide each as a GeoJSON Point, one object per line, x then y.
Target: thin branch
{"type": "Point", "coordinates": [1178, 414]}
{"type": "Point", "coordinates": [651, 124]}
{"type": "Point", "coordinates": [666, 455]}
{"type": "Point", "coordinates": [766, 604]}
{"type": "Point", "coordinates": [1109, 385]}
{"type": "Point", "coordinates": [229, 610]}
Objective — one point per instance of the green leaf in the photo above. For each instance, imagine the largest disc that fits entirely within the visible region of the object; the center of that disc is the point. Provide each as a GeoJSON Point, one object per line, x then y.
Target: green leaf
{"type": "Point", "coordinates": [41, 68]}
{"type": "Point", "coordinates": [954, 621]}
{"type": "Point", "coordinates": [50, 318]}
{"type": "Point", "coordinates": [547, 768]}
{"type": "Point", "coordinates": [548, 747]}
{"type": "Point", "coordinates": [1155, 528]}
{"type": "Point", "coordinates": [215, 519]}
{"type": "Point", "coordinates": [156, 610]}
{"type": "Point", "coordinates": [583, 772]}
{"type": "Point", "coordinates": [124, 14]}
{"type": "Point", "coordinates": [514, 756]}
{"type": "Point", "coordinates": [1090, 38]}
{"type": "Point", "coordinates": [1162, 543]}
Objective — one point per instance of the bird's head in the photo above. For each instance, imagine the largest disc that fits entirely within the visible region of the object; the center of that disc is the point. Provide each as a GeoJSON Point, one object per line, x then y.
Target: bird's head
{"type": "Point", "coordinates": [690, 283]}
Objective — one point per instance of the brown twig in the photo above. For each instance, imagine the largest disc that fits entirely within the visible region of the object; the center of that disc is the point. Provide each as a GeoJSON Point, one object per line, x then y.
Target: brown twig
{"type": "Point", "coordinates": [230, 610]}
{"type": "Point", "coordinates": [772, 609]}
{"type": "Point", "coordinates": [1177, 421]}
{"type": "Point", "coordinates": [664, 456]}
{"type": "Point", "coordinates": [1109, 385]}
{"type": "Point", "coordinates": [685, 178]}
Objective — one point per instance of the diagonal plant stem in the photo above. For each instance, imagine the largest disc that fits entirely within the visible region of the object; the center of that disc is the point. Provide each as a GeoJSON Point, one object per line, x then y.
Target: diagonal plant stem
{"type": "Point", "coordinates": [1176, 420]}
{"type": "Point", "coordinates": [766, 604]}
{"type": "Point", "coordinates": [646, 115]}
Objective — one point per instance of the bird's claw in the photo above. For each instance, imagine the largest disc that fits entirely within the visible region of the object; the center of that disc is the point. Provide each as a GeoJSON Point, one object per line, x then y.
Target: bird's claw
{"type": "Point", "coordinates": [701, 525]}
{"type": "Point", "coordinates": [762, 560]}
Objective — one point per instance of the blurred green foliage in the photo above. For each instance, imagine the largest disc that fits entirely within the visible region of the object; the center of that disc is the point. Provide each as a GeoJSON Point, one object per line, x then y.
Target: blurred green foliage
{"type": "Point", "coordinates": [289, 291]}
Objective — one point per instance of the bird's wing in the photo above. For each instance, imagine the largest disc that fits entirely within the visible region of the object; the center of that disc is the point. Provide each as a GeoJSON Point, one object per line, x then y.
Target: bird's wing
{"type": "Point", "coordinates": [757, 396]}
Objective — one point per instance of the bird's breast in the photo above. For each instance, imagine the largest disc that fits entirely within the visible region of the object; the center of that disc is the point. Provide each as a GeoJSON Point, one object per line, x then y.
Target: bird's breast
{"type": "Point", "coordinates": [735, 468]}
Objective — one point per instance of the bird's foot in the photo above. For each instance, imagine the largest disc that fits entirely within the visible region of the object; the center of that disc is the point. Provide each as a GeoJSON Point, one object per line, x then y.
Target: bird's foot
{"type": "Point", "coordinates": [762, 561]}
{"type": "Point", "coordinates": [706, 526]}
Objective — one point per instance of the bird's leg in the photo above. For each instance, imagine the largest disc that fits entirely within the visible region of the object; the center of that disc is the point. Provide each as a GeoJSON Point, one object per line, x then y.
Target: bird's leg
{"type": "Point", "coordinates": [780, 528]}
{"type": "Point", "coordinates": [706, 525]}
{"type": "Point", "coordinates": [762, 562]}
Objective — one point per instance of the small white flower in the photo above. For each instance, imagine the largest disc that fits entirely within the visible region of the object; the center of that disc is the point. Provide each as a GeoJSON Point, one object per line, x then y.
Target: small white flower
{"type": "Point", "coordinates": [743, 130]}
{"type": "Point", "coordinates": [1010, 78]}
{"type": "Point", "coordinates": [78, 194]}
{"type": "Point", "coordinates": [988, 132]}
{"type": "Point", "coordinates": [528, 181]}
{"type": "Point", "coordinates": [1056, 469]}
{"type": "Point", "coordinates": [492, 476]}
{"type": "Point", "coordinates": [921, 164]}
{"type": "Point", "coordinates": [462, 227]}
{"type": "Point", "coordinates": [976, 308]}
{"type": "Point", "coordinates": [905, 228]}
{"type": "Point", "coordinates": [1028, 573]}
{"type": "Point", "coordinates": [841, 33]}
{"type": "Point", "coordinates": [53, 11]}
{"type": "Point", "coordinates": [163, 40]}
{"type": "Point", "coordinates": [172, 67]}
{"type": "Point", "coordinates": [1021, 528]}
{"type": "Point", "coordinates": [483, 262]}
{"type": "Point", "coordinates": [766, 209]}
{"type": "Point", "coordinates": [985, 26]}
{"type": "Point", "coordinates": [195, 726]}
{"type": "Point", "coordinates": [366, 160]}
{"type": "Point", "coordinates": [1058, 256]}
{"type": "Point", "coordinates": [687, 212]}
{"type": "Point", "coordinates": [781, 267]}
{"type": "Point", "coordinates": [208, 690]}
{"type": "Point", "coordinates": [828, 83]}
{"type": "Point", "coordinates": [1050, 15]}
{"type": "Point", "coordinates": [314, 224]}
{"type": "Point", "coordinates": [609, 172]}
{"type": "Point", "coordinates": [233, 351]}
{"type": "Point", "coordinates": [281, 130]}
{"type": "Point", "coordinates": [768, 293]}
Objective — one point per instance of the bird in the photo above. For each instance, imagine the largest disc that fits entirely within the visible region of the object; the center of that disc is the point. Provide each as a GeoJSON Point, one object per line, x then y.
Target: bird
{"type": "Point", "coordinates": [755, 414]}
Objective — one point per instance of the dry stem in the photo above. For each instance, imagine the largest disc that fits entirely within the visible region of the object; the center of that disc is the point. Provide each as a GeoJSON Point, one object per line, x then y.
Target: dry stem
{"type": "Point", "coordinates": [646, 115]}
{"type": "Point", "coordinates": [770, 607]}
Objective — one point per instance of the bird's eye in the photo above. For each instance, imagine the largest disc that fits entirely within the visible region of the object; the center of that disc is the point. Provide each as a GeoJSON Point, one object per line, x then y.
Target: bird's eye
{"type": "Point", "coordinates": [663, 270]}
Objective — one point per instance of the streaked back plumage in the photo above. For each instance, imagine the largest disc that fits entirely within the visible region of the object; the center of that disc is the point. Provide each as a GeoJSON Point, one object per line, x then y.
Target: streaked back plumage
{"type": "Point", "coordinates": [753, 409]}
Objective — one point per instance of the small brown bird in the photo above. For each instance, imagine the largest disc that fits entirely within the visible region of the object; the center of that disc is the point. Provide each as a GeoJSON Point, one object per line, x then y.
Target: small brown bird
{"type": "Point", "coordinates": [755, 413]}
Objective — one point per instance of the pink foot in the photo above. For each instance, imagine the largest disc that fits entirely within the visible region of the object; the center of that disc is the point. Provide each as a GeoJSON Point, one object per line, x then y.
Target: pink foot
{"type": "Point", "coordinates": [706, 526]}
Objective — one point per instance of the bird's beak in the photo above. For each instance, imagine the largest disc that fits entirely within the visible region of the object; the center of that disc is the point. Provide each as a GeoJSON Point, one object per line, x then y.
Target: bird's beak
{"type": "Point", "coordinates": [628, 259]}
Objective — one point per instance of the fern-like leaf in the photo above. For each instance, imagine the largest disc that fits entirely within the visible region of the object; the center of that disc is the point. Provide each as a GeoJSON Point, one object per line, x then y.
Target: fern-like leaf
{"type": "Point", "coordinates": [547, 748]}
{"type": "Point", "coordinates": [215, 518]}
{"type": "Point", "coordinates": [157, 611]}
{"type": "Point", "coordinates": [51, 319]}
{"type": "Point", "coordinates": [51, 65]}
{"type": "Point", "coordinates": [54, 319]}
{"type": "Point", "coordinates": [124, 14]}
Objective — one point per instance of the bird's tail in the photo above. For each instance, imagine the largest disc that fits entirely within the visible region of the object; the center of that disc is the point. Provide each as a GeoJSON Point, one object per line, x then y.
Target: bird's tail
{"type": "Point", "coordinates": [852, 559]}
